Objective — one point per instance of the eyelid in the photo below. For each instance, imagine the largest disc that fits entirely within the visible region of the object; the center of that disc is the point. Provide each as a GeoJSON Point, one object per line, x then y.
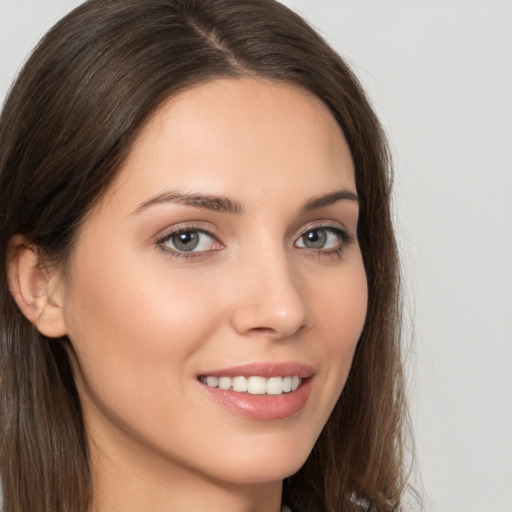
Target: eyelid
{"type": "Point", "coordinates": [201, 226]}
{"type": "Point", "coordinates": [324, 224]}
{"type": "Point", "coordinates": [345, 237]}
{"type": "Point", "coordinates": [161, 239]}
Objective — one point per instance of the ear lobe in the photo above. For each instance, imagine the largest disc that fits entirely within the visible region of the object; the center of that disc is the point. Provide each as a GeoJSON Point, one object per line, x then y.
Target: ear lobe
{"type": "Point", "coordinates": [35, 287]}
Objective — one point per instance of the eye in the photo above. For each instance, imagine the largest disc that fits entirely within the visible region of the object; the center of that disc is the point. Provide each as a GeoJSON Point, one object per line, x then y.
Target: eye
{"type": "Point", "coordinates": [188, 240]}
{"type": "Point", "coordinates": [322, 239]}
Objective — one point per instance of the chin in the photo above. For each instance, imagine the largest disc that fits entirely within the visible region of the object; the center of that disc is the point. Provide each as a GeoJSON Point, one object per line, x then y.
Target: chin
{"type": "Point", "coordinates": [262, 464]}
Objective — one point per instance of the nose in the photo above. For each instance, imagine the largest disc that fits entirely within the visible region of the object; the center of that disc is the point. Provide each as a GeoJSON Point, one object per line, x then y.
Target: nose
{"type": "Point", "coordinates": [269, 300]}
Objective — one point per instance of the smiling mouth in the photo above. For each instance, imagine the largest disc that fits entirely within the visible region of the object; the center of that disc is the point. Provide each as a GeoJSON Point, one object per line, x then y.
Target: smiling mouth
{"type": "Point", "coordinates": [260, 391]}
{"type": "Point", "coordinates": [255, 384]}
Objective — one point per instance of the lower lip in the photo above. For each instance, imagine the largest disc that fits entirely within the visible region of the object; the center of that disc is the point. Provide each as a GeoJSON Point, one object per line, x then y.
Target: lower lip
{"type": "Point", "coordinates": [262, 407]}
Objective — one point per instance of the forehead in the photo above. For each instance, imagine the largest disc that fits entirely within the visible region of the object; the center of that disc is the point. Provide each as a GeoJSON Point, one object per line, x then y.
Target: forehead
{"type": "Point", "coordinates": [236, 135]}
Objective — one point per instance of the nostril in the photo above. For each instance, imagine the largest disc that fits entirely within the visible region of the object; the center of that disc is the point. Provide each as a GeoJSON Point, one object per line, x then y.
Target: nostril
{"type": "Point", "coordinates": [263, 331]}
{"type": "Point", "coordinates": [273, 333]}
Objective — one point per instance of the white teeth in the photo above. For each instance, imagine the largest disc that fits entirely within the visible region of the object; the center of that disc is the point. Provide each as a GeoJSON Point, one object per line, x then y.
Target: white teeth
{"type": "Point", "coordinates": [225, 382]}
{"type": "Point", "coordinates": [255, 385]}
{"type": "Point", "coordinates": [239, 384]}
{"type": "Point", "coordinates": [212, 381]}
{"type": "Point", "coordinates": [287, 384]}
{"type": "Point", "coordinates": [275, 386]}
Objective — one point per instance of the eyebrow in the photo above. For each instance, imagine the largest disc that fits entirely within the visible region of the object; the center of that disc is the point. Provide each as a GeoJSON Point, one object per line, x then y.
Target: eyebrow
{"type": "Point", "coordinates": [329, 199]}
{"type": "Point", "coordinates": [226, 205]}
{"type": "Point", "coordinates": [208, 202]}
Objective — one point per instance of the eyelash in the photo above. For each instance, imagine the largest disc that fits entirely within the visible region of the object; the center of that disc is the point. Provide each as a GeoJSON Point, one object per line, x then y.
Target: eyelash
{"type": "Point", "coordinates": [186, 255]}
{"type": "Point", "coordinates": [342, 234]}
{"type": "Point", "coordinates": [344, 239]}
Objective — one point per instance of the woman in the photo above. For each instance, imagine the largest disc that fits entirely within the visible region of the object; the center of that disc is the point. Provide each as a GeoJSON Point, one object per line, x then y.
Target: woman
{"type": "Point", "coordinates": [199, 276]}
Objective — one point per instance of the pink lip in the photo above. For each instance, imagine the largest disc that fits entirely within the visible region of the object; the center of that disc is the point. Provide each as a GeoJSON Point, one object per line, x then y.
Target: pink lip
{"type": "Point", "coordinates": [263, 407]}
{"type": "Point", "coordinates": [264, 369]}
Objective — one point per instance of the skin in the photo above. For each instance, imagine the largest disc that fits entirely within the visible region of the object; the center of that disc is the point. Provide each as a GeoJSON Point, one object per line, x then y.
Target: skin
{"type": "Point", "coordinates": [144, 321]}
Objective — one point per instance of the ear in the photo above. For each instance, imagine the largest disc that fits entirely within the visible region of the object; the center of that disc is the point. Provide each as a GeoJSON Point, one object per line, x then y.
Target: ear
{"type": "Point", "coordinates": [35, 287]}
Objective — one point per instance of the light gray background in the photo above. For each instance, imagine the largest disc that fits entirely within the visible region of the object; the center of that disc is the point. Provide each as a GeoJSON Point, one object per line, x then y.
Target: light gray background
{"type": "Point", "coordinates": [440, 75]}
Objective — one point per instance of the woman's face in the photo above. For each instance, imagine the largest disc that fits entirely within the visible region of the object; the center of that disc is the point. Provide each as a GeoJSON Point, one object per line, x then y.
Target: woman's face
{"type": "Point", "coordinates": [225, 252]}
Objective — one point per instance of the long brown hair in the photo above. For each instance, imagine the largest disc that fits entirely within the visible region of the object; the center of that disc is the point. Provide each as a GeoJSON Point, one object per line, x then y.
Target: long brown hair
{"type": "Point", "coordinates": [67, 125]}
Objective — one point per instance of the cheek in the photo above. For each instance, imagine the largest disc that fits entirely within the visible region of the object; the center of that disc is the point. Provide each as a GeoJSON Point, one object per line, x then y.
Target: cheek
{"type": "Point", "coordinates": [133, 328]}
{"type": "Point", "coordinates": [132, 302]}
{"type": "Point", "coordinates": [340, 312]}
{"type": "Point", "coordinates": [136, 334]}
{"type": "Point", "coordinates": [340, 304]}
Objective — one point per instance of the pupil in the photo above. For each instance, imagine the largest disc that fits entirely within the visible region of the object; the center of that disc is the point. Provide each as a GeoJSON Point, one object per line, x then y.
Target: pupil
{"type": "Point", "coordinates": [315, 239]}
{"type": "Point", "coordinates": [186, 241]}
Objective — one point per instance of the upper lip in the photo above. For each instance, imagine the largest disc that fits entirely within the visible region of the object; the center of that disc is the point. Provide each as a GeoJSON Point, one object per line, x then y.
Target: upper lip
{"type": "Point", "coordinates": [263, 369]}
